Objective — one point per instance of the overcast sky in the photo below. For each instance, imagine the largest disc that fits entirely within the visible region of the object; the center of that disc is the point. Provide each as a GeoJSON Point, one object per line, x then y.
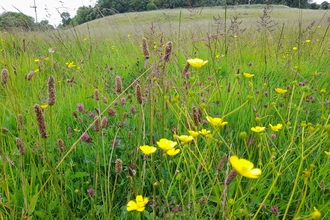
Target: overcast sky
{"type": "Point", "coordinates": [48, 9]}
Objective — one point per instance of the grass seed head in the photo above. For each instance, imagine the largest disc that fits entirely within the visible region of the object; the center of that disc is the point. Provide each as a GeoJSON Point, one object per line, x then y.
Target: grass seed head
{"type": "Point", "coordinates": [40, 121]}
{"type": "Point", "coordinates": [145, 49]}
{"type": "Point", "coordinates": [51, 91]}
{"type": "Point", "coordinates": [119, 84]}
{"type": "Point", "coordinates": [4, 76]}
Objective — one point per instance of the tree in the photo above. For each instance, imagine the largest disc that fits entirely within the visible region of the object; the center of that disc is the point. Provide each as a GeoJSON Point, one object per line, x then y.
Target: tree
{"type": "Point", "coordinates": [325, 5]}
{"type": "Point", "coordinates": [9, 20]}
{"type": "Point", "coordinates": [85, 14]}
{"type": "Point", "coordinates": [66, 20]}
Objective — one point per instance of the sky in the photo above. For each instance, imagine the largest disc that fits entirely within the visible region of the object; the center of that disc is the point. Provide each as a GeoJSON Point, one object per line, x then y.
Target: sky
{"type": "Point", "coordinates": [50, 9]}
{"type": "Point", "coordinates": [46, 9]}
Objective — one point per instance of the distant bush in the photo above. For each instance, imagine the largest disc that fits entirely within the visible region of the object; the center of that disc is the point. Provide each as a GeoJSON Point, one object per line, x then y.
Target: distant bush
{"type": "Point", "coordinates": [9, 20]}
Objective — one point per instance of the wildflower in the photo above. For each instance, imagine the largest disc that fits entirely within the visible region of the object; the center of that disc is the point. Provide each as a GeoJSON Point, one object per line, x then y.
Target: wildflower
{"type": "Point", "coordinates": [258, 129]}
{"type": "Point", "coordinates": [51, 50]}
{"type": "Point", "coordinates": [37, 60]}
{"type": "Point", "coordinates": [308, 41]}
{"type": "Point", "coordinates": [85, 137]}
{"type": "Point", "coordinates": [70, 65]}
{"type": "Point", "coordinates": [273, 136]}
{"type": "Point", "coordinates": [139, 205]}
{"type": "Point", "coordinates": [46, 58]}
{"type": "Point", "coordinates": [76, 191]}
{"type": "Point", "coordinates": [245, 167]}
{"type": "Point", "coordinates": [316, 214]}
{"type": "Point", "coordinates": [276, 127]}
{"type": "Point", "coordinates": [165, 144]}
{"type": "Point", "coordinates": [196, 62]}
{"type": "Point", "coordinates": [85, 38]}
{"type": "Point", "coordinates": [280, 91]}
{"type": "Point", "coordinates": [294, 48]}
{"type": "Point", "coordinates": [274, 209]}
{"type": "Point", "coordinates": [80, 107]}
{"type": "Point", "coordinates": [205, 132]}
{"type": "Point", "coordinates": [184, 138]}
{"type": "Point", "coordinates": [193, 133]}
{"type": "Point", "coordinates": [248, 75]}
{"type": "Point", "coordinates": [128, 35]}
{"type": "Point", "coordinates": [327, 153]}
{"type": "Point", "coordinates": [90, 192]}
{"type": "Point", "coordinates": [173, 152]}
{"type": "Point", "coordinates": [44, 106]}
{"type": "Point", "coordinates": [36, 70]}
{"type": "Point", "coordinates": [147, 150]}
{"type": "Point", "coordinates": [217, 122]}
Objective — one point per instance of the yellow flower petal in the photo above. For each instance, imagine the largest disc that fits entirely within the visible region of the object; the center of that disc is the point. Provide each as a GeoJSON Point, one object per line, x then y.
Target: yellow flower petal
{"type": "Point", "coordinates": [245, 167]}
{"type": "Point", "coordinates": [217, 122]}
{"type": "Point", "coordinates": [204, 132]}
{"type": "Point", "coordinates": [131, 206]}
{"type": "Point", "coordinates": [316, 214]}
{"type": "Point", "coordinates": [276, 127]}
{"type": "Point", "coordinates": [165, 144]}
{"type": "Point", "coordinates": [147, 150]}
{"type": "Point", "coordinates": [280, 91]}
{"type": "Point", "coordinates": [193, 133]}
{"type": "Point", "coordinates": [248, 75]}
{"type": "Point", "coordinates": [196, 62]}
{"type": "Point", "coordinates": [327, 153]}
{"type": "Point", "coordinates": [258, 129]}
{"type": "Point", "coordinates": [173, 152]}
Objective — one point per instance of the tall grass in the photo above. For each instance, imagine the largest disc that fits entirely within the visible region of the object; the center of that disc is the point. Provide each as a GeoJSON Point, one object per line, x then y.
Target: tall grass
{"type": "Point", "coordinates": [111, 99]}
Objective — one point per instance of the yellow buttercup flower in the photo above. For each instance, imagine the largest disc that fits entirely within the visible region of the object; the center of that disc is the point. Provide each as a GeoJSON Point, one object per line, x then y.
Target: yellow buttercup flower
{"type": "Point", "coordinates": [36, 70]}
{"type": "Point", "coordinates": [165, 144]}
{"type": "Point", "coordinates": [147, 150]}
{"type": "Point", "coordinates": [184, 138]}
{"type": "Point", "coordinates": [280, 91]}
{"type": "Point", "coordinates": [139, 205]}
{"type": "Point", "coordinates": [245, 167]}
{"type": "Point", "coordinates": [204, 132]}
{"type": "Point", "coordinates": [216, 122]}
{"type": "Point", "coordinates": [70, 65]}
{"type": "Point", "coordinates": [327, 153]}
{"type": "Point", "coordinates": [258, 129]}
{"type": "Point", "coordinates": [316, 214]}
{"type": "Point", "coordinates": [44, 106]}
{"type": "Point", "coordinates": [294, 48]}
{"type": "Point", "coordinates": [196, 62]}
{"type": "Point", "coordinates": [248, 75]}
{"type": "Point", "coordinates": [37, 60]}
{"type": "Point", "coordinates": [76, 130]}
{"type": "Point", "coordinates": [193, 133]}
{"type": "Point", "coordinates": [308, 41]}
{"type": "Point", "coordinates": [173, 152]}
{"type": "Point", "coordinates": [276, 127]}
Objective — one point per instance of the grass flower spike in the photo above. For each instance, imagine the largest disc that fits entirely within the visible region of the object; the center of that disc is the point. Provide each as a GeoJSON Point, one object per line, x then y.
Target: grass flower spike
{"type": "Point", "coordinates": [147, 150]}
{"type": "Point", "coordinates": [277, 127]}
{"type": "Point", "coordinates": [280, 91]}
{"type": "Point", "coordinates": [245, 167]}
{"type": "Point", "coordinates": [258, 129]}
{"type": "Point", "coordinates": [197, 63]}
{"type": "Point", "coordinates": [216, 122]}
{"type": "Point", "coordinates": [139, 205]}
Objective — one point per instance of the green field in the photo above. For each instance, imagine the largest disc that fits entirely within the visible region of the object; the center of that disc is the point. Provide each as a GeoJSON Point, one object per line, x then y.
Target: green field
{"type": "Point", "coordinates": [77, 104]}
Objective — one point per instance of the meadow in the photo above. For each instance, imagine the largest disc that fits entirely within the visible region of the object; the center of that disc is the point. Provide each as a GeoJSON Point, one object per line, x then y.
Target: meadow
{"type": "Point", "coordinates": [117, 119]}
